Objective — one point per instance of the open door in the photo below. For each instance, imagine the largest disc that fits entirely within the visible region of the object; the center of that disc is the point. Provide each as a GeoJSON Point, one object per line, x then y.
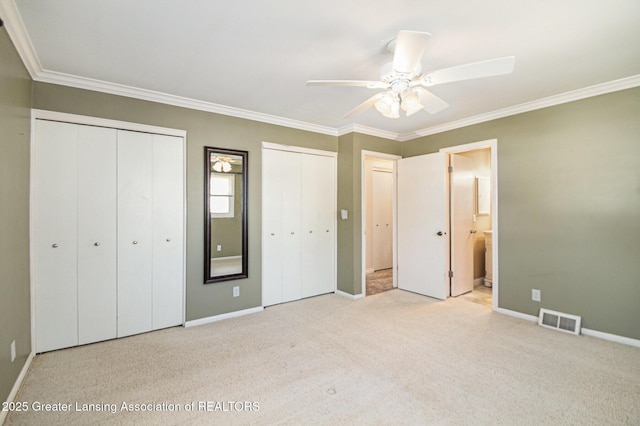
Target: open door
{"type": "Point", "coordinates": [462, 226]}
{"type": "Point", "coordinates": [382, 220]}
{"type": "Point", "coordinates": [422, 239]}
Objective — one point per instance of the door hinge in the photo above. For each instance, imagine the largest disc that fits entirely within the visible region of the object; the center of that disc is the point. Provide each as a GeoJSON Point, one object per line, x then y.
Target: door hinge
{"type": "Point", "coordinates": [450, 274]}
{"type": "Point", "coordinates": [450, 169]}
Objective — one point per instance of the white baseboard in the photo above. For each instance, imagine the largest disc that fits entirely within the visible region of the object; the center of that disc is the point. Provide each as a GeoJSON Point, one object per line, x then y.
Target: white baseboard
{"type": "Point", "coordinates": [221, 317]}
{"type": "Point", "coordinates": [585, 331]}
{"type": "Point", "coordinates": [611, 337]}
{"type": "Point", "coordinates": [478, 281]}
{"type": "Point", "coordinates": [350, 296]}
{"type": "Point", "coordinates": [16, 385]}
{"type": "Point", "coordinates": [517, 314]}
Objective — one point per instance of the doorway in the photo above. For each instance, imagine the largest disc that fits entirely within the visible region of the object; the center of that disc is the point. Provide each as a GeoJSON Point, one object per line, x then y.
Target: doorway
{"type": "Point", "coordinates": [378, 222]}
{"type": "Point", "coordinates": [474, 228]}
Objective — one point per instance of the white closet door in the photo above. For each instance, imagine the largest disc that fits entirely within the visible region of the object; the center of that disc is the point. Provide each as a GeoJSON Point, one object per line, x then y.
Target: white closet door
{"type": "Point", "coordinates": [318, 210]}
{"type": "Point", "coordinates": [135, 157]}
{"type": "Point", "coordinates": [272, 235]}
{"type": "Point", "coordinates": [55, 232]}
{"type": "Point", "coordinates": [291, 226]}
{"type": "Point", "coordinates": [168, 214]}
{"type": "Point", "coordinates": [96, 234]}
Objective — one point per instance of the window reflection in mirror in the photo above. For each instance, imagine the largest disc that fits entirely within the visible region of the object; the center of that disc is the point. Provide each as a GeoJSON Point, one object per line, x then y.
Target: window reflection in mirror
{"type": "Point", "coordinates": [225, 214]}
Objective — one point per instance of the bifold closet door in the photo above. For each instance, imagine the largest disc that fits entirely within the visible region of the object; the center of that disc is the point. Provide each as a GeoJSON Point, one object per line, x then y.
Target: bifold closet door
{"type": "Point", "coordinates": [135, 190]}
{"type": "Point", "coordinates": [55, 235]}
{"type": "Point", "coordinates": [168, 231]}
{"type": "Point", "coordinates": [281, 227]}
{"type": "Point", "coordinates": [318, 236]}
{"type": "Point", "coordinates": [96, 234]}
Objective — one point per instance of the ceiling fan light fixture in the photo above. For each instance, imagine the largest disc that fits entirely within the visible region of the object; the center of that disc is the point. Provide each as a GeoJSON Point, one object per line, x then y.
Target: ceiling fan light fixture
{"type": "Point", "coordinates": [410, 99]}
{"type": "Point", "coordinates": [385, 104]}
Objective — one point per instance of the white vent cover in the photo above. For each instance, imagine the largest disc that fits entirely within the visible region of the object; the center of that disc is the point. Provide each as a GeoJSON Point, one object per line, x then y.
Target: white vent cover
{"type": "Point", "coordinates": [559, 321]}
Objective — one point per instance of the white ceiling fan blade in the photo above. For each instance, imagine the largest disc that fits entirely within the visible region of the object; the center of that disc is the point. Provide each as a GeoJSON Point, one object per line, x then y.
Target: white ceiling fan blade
{"type": "Point", "coordinates": [470, 71]}
{"type": "Point", "coordinates": [409, 48]}
{"type": "Point", "coordinates": [363, 106]}
{"type": "Point", "coordinates": [351, 83]}
{"type": "Point", "coordinates": [432, 104]}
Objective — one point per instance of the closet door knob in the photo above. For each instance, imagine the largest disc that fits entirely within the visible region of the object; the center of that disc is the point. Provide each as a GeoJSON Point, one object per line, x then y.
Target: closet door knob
{"type": "Point", "coordinates": [292, 233]}
{"type": "Point", "coordinates": [54, 246]}
{"type": "Point", "coordinates": [168, 240]}
{"type": "Point", "coordinates": [272, 234]}
{"type": "Point", "coordinates": [135, 242]}
{"type": "Point", "coordinates": [96, 244]}
{"type": "Point", "coordinates": [327, 230]}
{"type": "Point", "coordinates": [311, 232]}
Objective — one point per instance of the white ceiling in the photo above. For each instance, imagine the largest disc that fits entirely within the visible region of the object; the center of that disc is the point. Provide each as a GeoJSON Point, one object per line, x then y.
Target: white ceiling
{"type": "Point", "coordinates": [256, 55]}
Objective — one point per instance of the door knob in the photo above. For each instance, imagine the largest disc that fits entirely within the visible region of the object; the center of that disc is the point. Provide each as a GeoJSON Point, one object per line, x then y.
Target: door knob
{"type": "Point", "coordinates": [54, 246]}
{"type": "Point", "coordinates": [96, 244]}
{"type": "Point", "coordinates": [473, 231]}
{"type": "Point", "coordinates": [440, 233]}
{"type": "Point", "coordinates": [292, 233]}
{"type": "Point", "coordinates": [168, 240]}
{"type": "Point", "coordinates": [272, 234]}
{"type": "Point", "coordinates": [135, 242]}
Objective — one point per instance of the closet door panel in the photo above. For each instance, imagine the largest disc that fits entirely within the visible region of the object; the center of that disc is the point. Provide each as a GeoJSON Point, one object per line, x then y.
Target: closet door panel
{"type": "Point", "coordinates": [55, 234]}
{"type": "Point", "coordinates": [168, 216]}
{"type": "Point", "coordinates": [272, 234]}
{"type": "Point", "coordinates": [134, 232]}
{"type": "Point", "coordinates": [96, 234]}
{"type": "Point", "coordinates": [291, 226]}
{"type": "Point", "coordinates": [326, 199]}
{"type": "Point", "coordinates": [311, 208]}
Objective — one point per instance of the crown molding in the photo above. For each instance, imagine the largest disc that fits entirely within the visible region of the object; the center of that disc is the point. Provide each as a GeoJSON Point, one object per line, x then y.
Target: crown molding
{"type": "Point", "coordinates": [165, 98]}
{"type": "Point", "coordinates": [562, 98]}
{"type": "Point", "coordinates": [19, 37]}
{"type": "Point", "coordinates": [371, 131]}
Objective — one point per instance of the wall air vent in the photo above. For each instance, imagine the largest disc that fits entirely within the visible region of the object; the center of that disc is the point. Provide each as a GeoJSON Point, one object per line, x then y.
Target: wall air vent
{"type": "Point", "coordinates": [559, 321]}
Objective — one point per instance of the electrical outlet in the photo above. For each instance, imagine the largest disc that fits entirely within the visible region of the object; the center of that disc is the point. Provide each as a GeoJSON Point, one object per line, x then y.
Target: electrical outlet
{"type": "Point", "coordinates": [236, 291]}
{"type": "Point", "coordinates": [13, 351]}
{"type": "Point", "coordinates": [535, 295]}
{"type": "Point", "coordinates": [219, 248]}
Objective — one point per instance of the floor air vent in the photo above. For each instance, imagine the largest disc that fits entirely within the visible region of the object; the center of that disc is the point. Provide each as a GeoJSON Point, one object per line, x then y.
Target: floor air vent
{"type": "Point", "coordinates": [559, 321]}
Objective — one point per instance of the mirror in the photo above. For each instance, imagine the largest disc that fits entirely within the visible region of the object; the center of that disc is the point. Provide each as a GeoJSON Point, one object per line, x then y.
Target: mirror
{"type": "Point", "coordinates": [225, 214]}
{"type": "Point", "coordinates": [483, 196]}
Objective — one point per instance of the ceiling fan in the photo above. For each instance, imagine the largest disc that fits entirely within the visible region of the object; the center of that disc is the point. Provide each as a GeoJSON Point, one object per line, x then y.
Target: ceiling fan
{"type": "Point", "coordinates": [404, 84]}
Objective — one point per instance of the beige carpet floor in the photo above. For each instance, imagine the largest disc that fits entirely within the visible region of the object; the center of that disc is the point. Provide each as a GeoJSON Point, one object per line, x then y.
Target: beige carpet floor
{"type": "Point", "coordinates": [393, 358]}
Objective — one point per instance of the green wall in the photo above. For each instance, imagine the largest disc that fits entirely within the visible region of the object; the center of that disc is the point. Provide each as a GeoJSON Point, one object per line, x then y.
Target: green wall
{"type": "Point", "coordinates": [203, 129]}
{"type": "Point", "coordinates": [15, 322]}
{"type": "Point", "coordinates": [568, 207]}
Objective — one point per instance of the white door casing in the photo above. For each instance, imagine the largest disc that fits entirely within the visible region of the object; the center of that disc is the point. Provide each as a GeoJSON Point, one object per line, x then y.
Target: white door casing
{"type": "Point", "coordinates": [422, 242]}
{"type": "Point", "coordinates": [462, 236]}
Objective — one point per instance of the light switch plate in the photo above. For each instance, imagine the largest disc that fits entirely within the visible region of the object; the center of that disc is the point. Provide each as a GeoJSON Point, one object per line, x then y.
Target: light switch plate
{"type": "Point", "coordinates": [535, 295]}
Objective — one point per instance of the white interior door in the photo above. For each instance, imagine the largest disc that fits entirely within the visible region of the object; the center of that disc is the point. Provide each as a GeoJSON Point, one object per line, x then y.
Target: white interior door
{"type": "Point", "coordinates": [55, 233]}
{"type": "Point", "coordinates": [168, 216]}
{"type": "Point", "coordinates": [96, 234]}
{"type": "Point", "coordinates": [382, 183]}
{"type": "Point", "coordinates": [272, 235]}
{"type": "Point", "coordinates": [134, 233]}
{"type": "Point", "coordinates": [422, 209]}
{"type": "Point", "coordinates": [318, 201]}
{"type": "Point", "coordinates": [291, 223]}
{"type": "Point", "coordinates": [462, 231]}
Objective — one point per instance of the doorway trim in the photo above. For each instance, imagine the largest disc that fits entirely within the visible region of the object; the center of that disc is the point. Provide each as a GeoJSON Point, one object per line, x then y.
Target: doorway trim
{"type": "Point", "coordinates": [373, 155]}
{"type": "Point", "coordinates": [492, 144]}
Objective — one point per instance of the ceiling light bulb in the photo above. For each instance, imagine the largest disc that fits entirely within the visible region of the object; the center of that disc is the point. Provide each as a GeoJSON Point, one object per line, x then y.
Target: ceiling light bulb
{"type": "Point", "coordinates": [386, 103]}
{"type": "Point", "coordinates": [217, 166]}
{"type": "Point", "coordinates": [226, 167]}
{"type": "Point", "coordinates": [410, 99]}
